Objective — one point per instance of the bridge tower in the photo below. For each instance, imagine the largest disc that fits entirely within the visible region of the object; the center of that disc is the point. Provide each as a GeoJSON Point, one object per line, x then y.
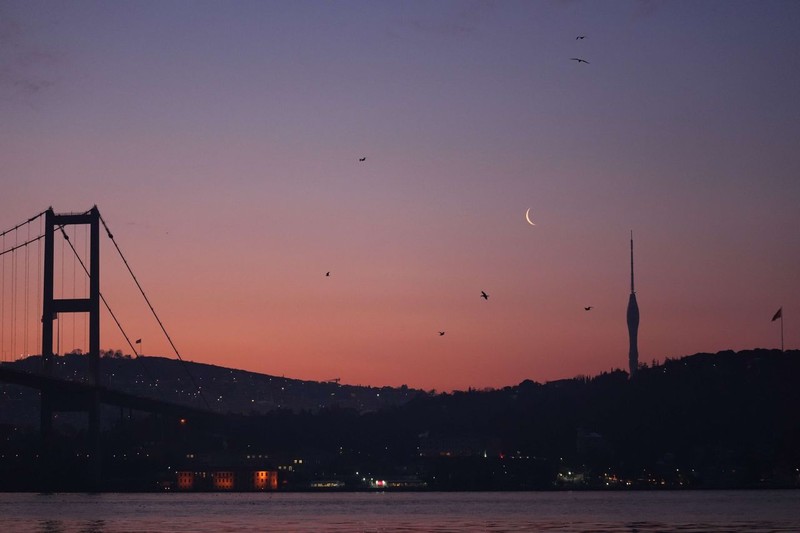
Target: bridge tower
{"type": "Point", "coordinates": [51, 307]}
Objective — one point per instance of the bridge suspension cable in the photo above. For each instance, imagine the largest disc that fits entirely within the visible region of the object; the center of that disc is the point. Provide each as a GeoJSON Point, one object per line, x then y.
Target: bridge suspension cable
{"type": "Point", "coordinates": [34, 217]}
{"type": "Point", "coordinates": [152, 310]}
{"type": "Point", "coordinates": [15, 289]}
{"type": "Point", "coordinates": [18, 246]}
{"type": "Point", "coordinates": [105, 303]}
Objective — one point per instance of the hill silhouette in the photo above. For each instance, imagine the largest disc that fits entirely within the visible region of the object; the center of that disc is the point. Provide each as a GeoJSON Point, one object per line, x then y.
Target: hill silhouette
{"type": "Point", "coordinates": [705, 420]}
{"type": "Point", "coordinates": [226, 390]}
{"type": "Point", "coordinates": [709, 420]}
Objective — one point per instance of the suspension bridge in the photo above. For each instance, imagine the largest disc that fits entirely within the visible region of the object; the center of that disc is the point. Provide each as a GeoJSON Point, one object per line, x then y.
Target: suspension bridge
{"type": "Point", "coordinates": [41, 283]}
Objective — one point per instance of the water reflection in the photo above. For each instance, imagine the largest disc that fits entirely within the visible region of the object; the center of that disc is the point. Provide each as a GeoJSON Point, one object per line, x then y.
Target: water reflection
{"type": "Point", "coordinates": [61, 526]}
{"type": "Point", "coordinates": [664, 512]}
{"type": "Point", "coordinates": [94, 526]}
{"type": "Point", "coordinates": [52, 526]}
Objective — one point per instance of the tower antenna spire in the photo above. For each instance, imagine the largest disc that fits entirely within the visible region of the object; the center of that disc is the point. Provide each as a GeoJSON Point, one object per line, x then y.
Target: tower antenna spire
{"type": "Point", "coordinates": [632, 290]}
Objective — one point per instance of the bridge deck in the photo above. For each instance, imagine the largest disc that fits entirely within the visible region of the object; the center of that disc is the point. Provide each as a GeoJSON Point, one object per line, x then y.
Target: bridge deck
{"type": "Point", "coordinates": [75, 395]}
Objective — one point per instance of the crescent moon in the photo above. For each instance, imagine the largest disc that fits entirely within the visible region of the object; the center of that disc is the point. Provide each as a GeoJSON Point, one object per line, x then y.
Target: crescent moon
{"type": "Point", "coordinates": [528, 218]}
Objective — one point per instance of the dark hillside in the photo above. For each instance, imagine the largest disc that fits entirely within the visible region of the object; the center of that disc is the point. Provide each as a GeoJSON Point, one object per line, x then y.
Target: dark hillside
{"type": "Point", "coordinates": [705, 420]}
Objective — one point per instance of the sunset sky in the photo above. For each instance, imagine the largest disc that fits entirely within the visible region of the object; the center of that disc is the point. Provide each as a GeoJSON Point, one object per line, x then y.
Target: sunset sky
{"type": "Point", "coordinates": [220, 141]}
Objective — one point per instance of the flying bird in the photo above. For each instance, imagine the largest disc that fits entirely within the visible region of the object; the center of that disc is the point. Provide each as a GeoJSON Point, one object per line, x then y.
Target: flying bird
{"type": "Point", "coordinates": [484, 295]}
{"type": "Point", "coordinates": [327, 274]}
{"type": "Point", "coordinates": [580, 37]}
{"type": "Point", "coordinates": [441, 333]}
{"type": "Point", "coordinates": [588, 308]}
{"type": "Point", "coordinates": [362, 159]}
{"type": "Point", "coordinates": [579, 60]}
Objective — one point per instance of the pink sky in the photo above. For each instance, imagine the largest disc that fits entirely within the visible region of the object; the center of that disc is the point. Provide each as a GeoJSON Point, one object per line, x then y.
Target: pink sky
{"type": "Point", "coordinates": [221, 143]}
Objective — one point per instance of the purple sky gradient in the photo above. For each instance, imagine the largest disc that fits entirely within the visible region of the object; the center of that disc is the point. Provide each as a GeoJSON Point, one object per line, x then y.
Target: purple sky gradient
{"type": "Point", "coordinates": [220, 141]}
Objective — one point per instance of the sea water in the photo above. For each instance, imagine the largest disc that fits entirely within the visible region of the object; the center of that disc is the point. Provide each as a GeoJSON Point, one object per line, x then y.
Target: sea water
{"type": "Point", "coordinates": [650, 511]}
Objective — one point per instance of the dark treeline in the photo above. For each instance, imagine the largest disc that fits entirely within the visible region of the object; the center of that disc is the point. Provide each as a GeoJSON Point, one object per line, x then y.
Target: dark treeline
{"type": "Point", "coordinates": [706, 420]}
{"type": "Point", "coordinates": [725, 419]}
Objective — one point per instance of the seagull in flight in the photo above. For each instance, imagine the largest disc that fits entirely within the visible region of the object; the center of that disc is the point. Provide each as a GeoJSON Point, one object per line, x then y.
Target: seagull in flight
{"type": "Point", "coordinates": [579, 60]}
{"type": "Point", "coordinates": [580, 37]}
{"type": "Point", "coordinates": [441, 333]}
{"type": "Point", "coordinates": [588, 308]}
{"type": "Point", "coordinates": [362, 159]}
{"type": "Point", "coordinates": [484, 295]}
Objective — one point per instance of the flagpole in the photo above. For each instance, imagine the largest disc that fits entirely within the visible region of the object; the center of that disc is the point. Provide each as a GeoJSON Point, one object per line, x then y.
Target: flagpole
{"type": "Point", "coordinates": [776, 316]}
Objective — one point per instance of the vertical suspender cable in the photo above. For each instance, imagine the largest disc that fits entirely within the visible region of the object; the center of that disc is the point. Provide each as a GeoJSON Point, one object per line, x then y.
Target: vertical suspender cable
{"type": "Point", "coordinates": [85, 287]}
{"type": "Point", "coordinates": [59, 317]}
{"type": "Point", "coordinates": [39, 283]}
{"type": "Point", "coordinates": [61, 270]}
{"type": "Point", "coordinates": [74, 271]}
{"type": "Point", "coordinates": [3, 305]}
{"type": "Point", "coordinates": [25, 306]}
{"type": "Point", "coordinates": [14, 297]}
{"type": "Point", "coordinates": [9, 299]}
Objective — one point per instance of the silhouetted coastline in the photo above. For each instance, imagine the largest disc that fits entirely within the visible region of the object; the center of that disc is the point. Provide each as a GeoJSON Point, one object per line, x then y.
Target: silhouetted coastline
{"type": "Point", "coordinates": [724, 420]}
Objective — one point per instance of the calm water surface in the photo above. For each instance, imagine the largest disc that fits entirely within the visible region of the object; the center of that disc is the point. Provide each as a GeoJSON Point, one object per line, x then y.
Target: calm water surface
{"type": "Point", "coordinates": [688, 511]}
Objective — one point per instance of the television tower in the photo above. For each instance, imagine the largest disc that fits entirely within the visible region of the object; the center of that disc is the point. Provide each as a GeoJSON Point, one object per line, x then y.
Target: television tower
{"type": "Point", "coordinates": [633, 324]}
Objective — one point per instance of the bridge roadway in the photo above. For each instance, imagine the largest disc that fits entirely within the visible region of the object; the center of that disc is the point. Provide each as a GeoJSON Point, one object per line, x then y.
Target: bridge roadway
{"type": "Point", "coordinates": [75, 396]}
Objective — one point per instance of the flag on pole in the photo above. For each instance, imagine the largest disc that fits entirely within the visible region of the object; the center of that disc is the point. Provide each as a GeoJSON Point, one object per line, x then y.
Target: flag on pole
{"type": "Point", "coordinates": [139, 341]}
{"type": "Point", "coordinates": [778, 314]}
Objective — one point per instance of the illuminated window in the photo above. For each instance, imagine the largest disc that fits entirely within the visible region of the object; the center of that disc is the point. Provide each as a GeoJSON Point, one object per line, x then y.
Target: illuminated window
{"type": "Point", "coordinates": [223, 480]}
{"type": "Point", "coordinates": [185, 480]}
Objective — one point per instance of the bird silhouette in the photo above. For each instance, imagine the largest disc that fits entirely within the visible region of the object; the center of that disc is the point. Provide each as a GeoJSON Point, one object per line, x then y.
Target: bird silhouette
{"type": "Point", "coordinates": [588, 308]}
{"type": "Point", "coordinates": [441, 333]}
{"type": "Point", "coordinates": [484, 295]}
{"type": "Point", "coordinates": [579, 60]}
{"type": "Point", "coordinates": [580, 37]}
{"type": "Point", "coordinates": [362, 159]}
{"type": "Point", "coordinates": [327, 274]}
